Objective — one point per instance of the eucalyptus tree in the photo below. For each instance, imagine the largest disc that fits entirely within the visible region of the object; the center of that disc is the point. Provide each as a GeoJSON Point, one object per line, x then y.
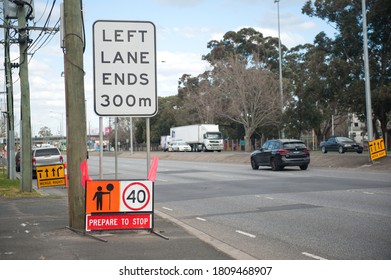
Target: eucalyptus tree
{"type": "Point", "coordinates": [244, 79]}
{"type": "Point", "coordinates": [318, 86]}
{"type": "Point", "coordinates": [247, 95]}
{"type": "Point", "coordinates": [200, 104]}
{"type": "Point", "coordinates": [346, 17]}
{"type": "Point", "coordinates": [45, 132]}
{"type": "Point", "coordinates": [248, 43]}
{"type": "Point", "coordinates": [170, 113]}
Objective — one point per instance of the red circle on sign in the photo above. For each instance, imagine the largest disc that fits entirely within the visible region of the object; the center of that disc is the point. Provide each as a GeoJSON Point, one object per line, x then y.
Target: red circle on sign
{"type": "Point", "coordinates": [124, 199]}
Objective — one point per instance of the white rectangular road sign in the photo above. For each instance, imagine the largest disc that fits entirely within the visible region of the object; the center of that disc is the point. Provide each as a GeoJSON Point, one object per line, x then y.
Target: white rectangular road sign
{"type": "Point", "coordinates": [125, 68]}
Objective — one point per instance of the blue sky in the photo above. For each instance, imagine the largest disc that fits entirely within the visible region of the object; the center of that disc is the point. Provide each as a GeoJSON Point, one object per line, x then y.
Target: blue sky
{"type": "Point", "coordinates": [183, 29]}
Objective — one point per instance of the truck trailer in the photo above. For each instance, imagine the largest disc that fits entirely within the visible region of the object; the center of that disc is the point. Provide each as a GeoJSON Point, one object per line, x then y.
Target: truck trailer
{"type": "Point", "coordinates": [200, 137]}
{"type": "Point", "coordinates": [165, 143]}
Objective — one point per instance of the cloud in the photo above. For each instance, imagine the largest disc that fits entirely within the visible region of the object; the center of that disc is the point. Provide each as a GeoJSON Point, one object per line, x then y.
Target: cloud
{"type": "Point", "coordinates": [172, 65]}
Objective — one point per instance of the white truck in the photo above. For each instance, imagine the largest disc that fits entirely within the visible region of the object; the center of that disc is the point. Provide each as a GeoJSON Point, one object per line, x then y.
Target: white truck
{"type": "Point", "coordinates": [165, 143]}
{"type": "Point", "coordinates": [200, 137]}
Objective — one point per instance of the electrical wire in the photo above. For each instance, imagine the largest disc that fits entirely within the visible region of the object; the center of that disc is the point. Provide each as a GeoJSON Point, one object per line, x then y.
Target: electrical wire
{"type": "Point", "coordinates": [82, 24]}
{"type": "Point", "coordinates": [43, 32]}
{"type": "Point", "coordinates": [47, 40]}
{"type": "Point", "coordinates": [43, 13]}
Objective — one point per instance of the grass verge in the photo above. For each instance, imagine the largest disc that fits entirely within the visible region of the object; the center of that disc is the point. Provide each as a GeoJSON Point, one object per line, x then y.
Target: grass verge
{"type": "Point", "coordinates": [11, 188]}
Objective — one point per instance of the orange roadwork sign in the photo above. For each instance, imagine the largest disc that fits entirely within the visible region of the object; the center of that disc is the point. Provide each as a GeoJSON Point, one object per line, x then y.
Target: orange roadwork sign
{"type": "Point", "coordinates": [50, 175]}
{"type": "Point", "coordinates": [377, 149]}
{"type": "Point", "coordinates": [102, 197]}
{"type": "Point", "coordinates": [113, 204]}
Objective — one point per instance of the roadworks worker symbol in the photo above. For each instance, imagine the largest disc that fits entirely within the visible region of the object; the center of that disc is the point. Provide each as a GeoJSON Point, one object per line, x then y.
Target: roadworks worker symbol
{"type": "Point", "coordinates": [50, 175]}
{"type": "Point", "coordinates": [102, 196]}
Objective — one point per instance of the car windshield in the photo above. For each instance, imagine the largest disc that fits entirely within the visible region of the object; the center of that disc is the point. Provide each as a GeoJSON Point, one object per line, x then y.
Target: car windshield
{"type": "Point", "coordinates": [46, 152]}
{"type": "Point", "coordinates": [344, 139]}
{"type": "Point", "coordinates": [294, 145]}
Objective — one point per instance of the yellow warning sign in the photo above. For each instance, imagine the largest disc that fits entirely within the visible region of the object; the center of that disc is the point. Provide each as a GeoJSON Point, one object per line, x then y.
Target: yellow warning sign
{"type": "Point", "coordinates": [377, 149]}
{"type": "Point", "coordinates": [50, 175]}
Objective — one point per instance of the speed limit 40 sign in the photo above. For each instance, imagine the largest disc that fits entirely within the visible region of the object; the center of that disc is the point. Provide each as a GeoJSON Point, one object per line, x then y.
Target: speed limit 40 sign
{"type": "Point", "coordinates": [137, 196]}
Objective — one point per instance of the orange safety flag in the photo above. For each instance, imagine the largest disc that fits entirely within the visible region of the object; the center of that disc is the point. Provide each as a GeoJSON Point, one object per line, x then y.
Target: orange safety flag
{"type": "Point", "coordinates": [84, 173]}
{"type": "Point", "coordinates": [153, 169]}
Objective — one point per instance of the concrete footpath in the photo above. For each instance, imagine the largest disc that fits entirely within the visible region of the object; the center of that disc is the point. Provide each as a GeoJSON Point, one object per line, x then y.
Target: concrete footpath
{"type": "Point", "coordinates": [36, 229]}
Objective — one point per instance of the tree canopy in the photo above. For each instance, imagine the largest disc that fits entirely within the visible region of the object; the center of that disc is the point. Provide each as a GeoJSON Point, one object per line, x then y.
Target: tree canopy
{"type": "Point", "coordinates": [323, 80]}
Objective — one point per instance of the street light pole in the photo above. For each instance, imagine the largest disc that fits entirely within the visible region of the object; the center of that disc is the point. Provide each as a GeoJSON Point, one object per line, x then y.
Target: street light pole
{"type": "Point", "coordinates": [61, 123]}
{"type": "Point", "coordinates": [280, 64]}
{"type": "Point", "coordinates": [367, 79]}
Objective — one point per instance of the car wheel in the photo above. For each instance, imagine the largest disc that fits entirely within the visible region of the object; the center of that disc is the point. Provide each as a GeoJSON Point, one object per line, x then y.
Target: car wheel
{"type": "Point", "coordinates": [340, 150]}
{"type": "Point", "coordinates": [359, 152]}
{"type": "Point", "coordinates": [254, 165]}
{"type": "Point", "coordinates": [324, 150]}
{"type": "Point", "coordinates": [274, 164]}
{"type": "Point", "coordinates": [304, 167]}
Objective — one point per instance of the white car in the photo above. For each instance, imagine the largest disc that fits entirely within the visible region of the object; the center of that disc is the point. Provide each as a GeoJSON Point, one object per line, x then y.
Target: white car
{"type": "Point", "coordinates": [180, 146]}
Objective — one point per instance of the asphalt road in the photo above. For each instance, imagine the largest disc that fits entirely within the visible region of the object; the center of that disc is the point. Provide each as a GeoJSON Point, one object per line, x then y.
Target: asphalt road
{"type": "Point", "coordinates": [320, 213]}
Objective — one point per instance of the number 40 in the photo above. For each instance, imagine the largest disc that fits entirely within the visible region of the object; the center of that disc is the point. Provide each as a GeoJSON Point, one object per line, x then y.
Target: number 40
{"type": "Point", "coordinates": [138, 197]}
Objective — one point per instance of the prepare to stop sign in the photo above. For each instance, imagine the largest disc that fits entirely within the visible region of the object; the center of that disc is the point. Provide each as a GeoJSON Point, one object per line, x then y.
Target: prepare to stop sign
{"type": "Point", "coordinates": [137, 196]}
{"type": "Point", "coordinates": [125, 68]}
{"type": "Point", "coordinates": [119, 204]}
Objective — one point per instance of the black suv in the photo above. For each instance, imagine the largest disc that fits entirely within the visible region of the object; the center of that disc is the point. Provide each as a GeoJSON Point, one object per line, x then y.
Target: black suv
{"type": "Point", "coordinates": [279, 153]}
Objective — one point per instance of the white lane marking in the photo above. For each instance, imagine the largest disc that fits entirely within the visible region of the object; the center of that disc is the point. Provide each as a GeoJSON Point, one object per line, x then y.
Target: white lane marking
{"type": "Point", "coordinates": [161, 180]}
{"type": "Point", "coordinates": [245, 233]}
{"type": "Point", "coordinates": [6, 237]}
{"type": "Point", "coordinates": [368, 192]}
{"type": "Point", "coordinates": [222, 175]}
{"type": "Point", "coordinates": [224, 247]}
{"type": "Point", "coordinates": [166, 208]}
{"type": "Point", "coordinates": [313, 256]}
{"type": "Point", "coordinates": [201, 219]}
{"type": "Point", "coordinates": [267, 197]}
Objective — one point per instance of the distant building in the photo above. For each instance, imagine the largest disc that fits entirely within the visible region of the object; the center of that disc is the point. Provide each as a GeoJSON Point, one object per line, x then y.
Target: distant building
{"type": "Point", "coordinates": [357, 129]}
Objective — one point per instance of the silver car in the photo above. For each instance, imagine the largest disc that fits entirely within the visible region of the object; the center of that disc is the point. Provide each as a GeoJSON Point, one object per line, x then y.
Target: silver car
{"type": "Point", "coordinates": [45, 156]}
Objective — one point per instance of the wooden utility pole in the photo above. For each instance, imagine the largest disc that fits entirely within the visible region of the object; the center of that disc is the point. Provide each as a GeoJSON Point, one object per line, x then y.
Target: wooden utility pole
{"type": "Point", "coordinates": [26, 158]}
{"type": "Point", "coordinates": [10, 105]}
{"type": "Point", "coordinates": [75, 110]}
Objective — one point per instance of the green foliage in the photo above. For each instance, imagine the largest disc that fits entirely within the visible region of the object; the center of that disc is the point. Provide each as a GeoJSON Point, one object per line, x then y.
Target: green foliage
{"type": "Point", "coordinates": [322, 80]}
{"type": "Point", "coordinates": [346, 53]}
{"type": "Point", "coordinates": [45, 132]}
